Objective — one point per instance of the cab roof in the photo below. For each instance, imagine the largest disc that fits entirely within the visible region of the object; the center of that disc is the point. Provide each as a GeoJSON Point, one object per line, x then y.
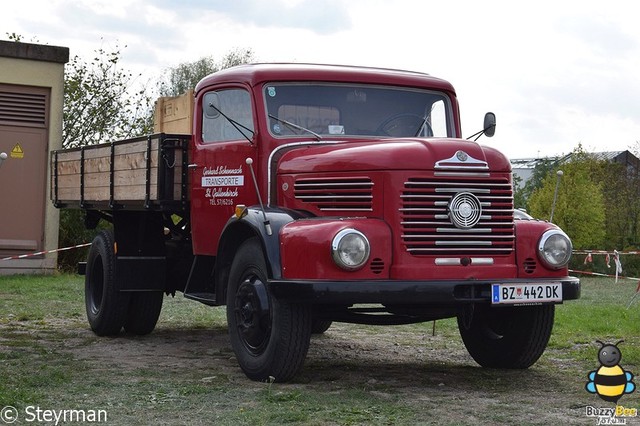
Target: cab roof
{"type": "Point", "coordinates": [257, 74]}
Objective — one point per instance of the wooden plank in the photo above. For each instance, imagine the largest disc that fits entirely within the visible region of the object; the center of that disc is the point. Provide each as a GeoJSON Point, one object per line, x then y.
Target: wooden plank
{"type": "Point", "coordinates": [69, 194]}
{"type": "Point", "coordinates": [69, 181]}
{"type": "Point", "coordinates": [122, 194]}
{"type": "Point", "coordinates": [68, 156]}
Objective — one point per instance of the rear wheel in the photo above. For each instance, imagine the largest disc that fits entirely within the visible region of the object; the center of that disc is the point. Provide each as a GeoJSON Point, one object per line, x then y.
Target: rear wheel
{"type": "Point", "coordinates": [106, 306]}
{"type": "Point", "coordinates": [269, 337]}
{"type": "Point", "coordinates": [511, 337]}
{"type": "Point", "coordinates": [144, 311]}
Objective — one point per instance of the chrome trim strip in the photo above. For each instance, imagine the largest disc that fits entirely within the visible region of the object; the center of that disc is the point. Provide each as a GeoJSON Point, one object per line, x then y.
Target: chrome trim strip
{"type": "Point", "coordinates": [348, 197]}
{"type": "Point", "coordinates": [447, 261]}
{"type": "Point", "coordinates": [457, 249]}
{"type": "Point", "coordinates": [492, 237]}
{"type": "Point", "coordinates": [461, 160]}
{"type": "Point", "coordinates": [334, 209]}
{"type": "Point", "coordinates": [482, 261]}
{"type": "Point", "coordinates": [323, 185]}
{"type": "Point", "coordinates": [472, 190]}
{"type": "Point", "coordinates": [463, 243]}
{"type": "Point", "coordinates": [454, 261]}
{"type": "Point", "coordinates": [462, 174]}
{"type": "Point", "coordinates": [458, 167]}
{"type": "Point", "coordinates": [469, 184]}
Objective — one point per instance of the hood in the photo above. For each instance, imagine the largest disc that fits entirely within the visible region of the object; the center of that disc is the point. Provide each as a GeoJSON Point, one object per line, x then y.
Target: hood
{"type": "Point", "coordinates": [392, 154]}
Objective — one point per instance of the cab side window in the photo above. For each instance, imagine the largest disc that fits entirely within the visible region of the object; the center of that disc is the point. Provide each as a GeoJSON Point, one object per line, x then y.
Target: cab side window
{"type": "Point", "coordinates": [227, 115]}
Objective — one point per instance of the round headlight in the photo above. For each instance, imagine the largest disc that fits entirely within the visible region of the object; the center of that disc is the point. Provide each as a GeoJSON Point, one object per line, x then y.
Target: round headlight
{"type": "Point", "coordinates": [554, 249]}
{"type": "Point", "coordinates": [350, 249]}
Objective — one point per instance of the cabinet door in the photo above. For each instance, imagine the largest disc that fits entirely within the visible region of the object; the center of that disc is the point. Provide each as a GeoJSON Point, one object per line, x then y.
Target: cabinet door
{"type": "Point", "coordinates": [23, 137]}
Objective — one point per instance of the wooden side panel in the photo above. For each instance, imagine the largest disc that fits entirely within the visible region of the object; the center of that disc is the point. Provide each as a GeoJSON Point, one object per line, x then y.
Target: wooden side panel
{"type": "Point", "coordinates": [129, 173]}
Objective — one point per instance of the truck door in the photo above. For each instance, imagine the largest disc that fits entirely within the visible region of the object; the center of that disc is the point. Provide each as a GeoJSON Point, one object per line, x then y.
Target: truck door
{"type": "Point", "coordinates": [224, 138]}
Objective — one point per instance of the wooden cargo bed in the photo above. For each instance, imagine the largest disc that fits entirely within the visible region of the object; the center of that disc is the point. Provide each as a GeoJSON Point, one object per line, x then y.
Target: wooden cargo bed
{"type": "Point", "coordinates": [141, 173]}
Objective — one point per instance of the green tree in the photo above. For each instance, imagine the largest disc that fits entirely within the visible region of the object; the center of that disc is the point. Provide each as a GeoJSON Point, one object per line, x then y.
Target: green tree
{"type": "Point", "coordinates": [186, 75]}
{"type": "Point", "coordinates": [519, 200]}
{"type": "Point", "coordinates": [580, 209]}
{"type": "Point", "coordinates": [522, 193]}
{"type": "Point", "coordinates": [101, 103]}
{"type": "Point", "coordinates": [621, 192]}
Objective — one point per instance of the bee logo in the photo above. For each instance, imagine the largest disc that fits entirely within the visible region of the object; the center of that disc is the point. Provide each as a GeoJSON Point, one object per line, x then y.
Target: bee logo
{"type": "Point", "coordinates": [610, 381]}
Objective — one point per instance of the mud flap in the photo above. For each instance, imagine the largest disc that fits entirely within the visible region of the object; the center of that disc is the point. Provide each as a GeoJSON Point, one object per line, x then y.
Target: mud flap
{"type": "Point", "coordinates": [141, 273]}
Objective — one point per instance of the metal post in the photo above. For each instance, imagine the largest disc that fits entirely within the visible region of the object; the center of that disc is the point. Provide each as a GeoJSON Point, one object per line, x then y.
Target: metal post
{"type": "Point", "coordinates": [559, 173]}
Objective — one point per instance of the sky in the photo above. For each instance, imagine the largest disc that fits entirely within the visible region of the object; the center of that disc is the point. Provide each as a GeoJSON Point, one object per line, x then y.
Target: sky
{"type": "Point", "coordinates": [555, 73]}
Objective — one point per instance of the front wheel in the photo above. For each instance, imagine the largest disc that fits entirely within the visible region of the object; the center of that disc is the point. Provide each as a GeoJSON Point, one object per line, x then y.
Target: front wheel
{"type": "Point", "coordinates": [510, 337]}
{"type": "Point", "coordinates": [269, 337]}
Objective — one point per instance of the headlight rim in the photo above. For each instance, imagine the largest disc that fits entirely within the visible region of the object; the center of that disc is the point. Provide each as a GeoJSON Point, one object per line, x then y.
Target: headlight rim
{"type": "Point", "coordinates": [335, 245]}
{"type": "Point", "coordinates": [541, 245]}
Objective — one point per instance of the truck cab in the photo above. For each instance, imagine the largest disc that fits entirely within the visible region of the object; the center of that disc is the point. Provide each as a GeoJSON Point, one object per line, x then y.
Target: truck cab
{"type": "Point", "coordinates": [359, 201]}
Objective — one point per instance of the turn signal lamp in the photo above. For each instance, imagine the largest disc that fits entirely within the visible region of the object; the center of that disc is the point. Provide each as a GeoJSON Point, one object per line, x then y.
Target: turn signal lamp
{"type": "Point", "coordinates": [241, 211]}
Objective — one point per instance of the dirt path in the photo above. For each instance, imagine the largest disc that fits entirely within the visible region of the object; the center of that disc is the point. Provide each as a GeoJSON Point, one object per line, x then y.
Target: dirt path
{"type": "Point", "coordinates": [430, 373]}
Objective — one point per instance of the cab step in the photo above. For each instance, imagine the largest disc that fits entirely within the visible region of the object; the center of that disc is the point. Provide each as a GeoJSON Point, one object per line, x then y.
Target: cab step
{"type": "Point", "coordinates": [206, 298]}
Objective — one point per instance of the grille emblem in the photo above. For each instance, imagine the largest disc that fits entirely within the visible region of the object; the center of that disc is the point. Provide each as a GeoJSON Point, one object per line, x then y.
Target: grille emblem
{"type": "Point", "coordinates": [462, 156]}
{"type": "Point", "coordinates": [465, 210]}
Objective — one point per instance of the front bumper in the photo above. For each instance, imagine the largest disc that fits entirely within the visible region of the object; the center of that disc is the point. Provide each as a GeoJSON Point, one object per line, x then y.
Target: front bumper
{"type": "Point", "coordinates": [444, 293]}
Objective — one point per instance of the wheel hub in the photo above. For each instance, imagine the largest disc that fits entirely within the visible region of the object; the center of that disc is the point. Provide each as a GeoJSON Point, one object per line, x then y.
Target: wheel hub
{"type": "Point", "coordinates": [253, 314]}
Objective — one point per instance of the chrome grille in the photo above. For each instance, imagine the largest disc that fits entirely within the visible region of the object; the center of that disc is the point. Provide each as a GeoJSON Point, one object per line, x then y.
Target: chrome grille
{"type": "Point", "coordinates": [336, 194]}
{"type": "Point", "coordinates": [428, 230]}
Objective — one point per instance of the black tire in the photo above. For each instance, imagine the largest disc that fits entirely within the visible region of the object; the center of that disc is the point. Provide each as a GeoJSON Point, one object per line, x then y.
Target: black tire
{"type": "Point", "coordinates": [144, 311]}
{"type": "Point", "coordinates": [510, 337]}
{"type": "Point", "coordinates": [106, 306]}
{"type": "Point", "coordinates": [269, 337]}
{"type": "Point", "coordinates": [319, 326]}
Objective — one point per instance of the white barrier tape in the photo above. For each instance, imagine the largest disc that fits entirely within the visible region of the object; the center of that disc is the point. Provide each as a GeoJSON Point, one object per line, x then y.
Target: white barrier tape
{"type": "Point", "coordinates": [603, 252]}
{"type": "Point", "coordinates": [23, 256]}
{"type": "Point", "coordinates": [597, 274]}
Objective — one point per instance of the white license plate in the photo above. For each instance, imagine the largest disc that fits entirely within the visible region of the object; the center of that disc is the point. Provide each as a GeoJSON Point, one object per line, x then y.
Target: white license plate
{"type": "Point", "coordinates": [514, 294]}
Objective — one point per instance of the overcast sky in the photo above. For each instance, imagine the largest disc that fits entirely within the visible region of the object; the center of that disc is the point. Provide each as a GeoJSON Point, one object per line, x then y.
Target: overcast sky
{"type": "Point", "coordinates": [556, 73]}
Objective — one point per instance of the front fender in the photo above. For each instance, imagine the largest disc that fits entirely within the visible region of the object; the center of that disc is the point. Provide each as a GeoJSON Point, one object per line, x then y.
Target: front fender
{"type": "Point", "coordinates": [528, 233]}
{"type": "Point", "coordinates": [305, 247]}
{"type": "Point", "coordinates": [251, 224]}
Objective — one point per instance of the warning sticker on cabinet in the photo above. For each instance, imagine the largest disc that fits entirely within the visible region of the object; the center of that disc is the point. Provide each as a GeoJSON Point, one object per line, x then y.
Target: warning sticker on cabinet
{"type": "Point", "coordinates": [17, 152]}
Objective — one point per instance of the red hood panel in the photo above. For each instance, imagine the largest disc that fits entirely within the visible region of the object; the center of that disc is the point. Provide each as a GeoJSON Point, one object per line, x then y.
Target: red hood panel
{"type": "Point", "coordinates": [387, 154]}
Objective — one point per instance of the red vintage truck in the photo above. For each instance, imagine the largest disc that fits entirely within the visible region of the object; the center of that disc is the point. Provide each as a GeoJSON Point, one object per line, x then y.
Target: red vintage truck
{"type": "Point", "coordinates": [308, 194]}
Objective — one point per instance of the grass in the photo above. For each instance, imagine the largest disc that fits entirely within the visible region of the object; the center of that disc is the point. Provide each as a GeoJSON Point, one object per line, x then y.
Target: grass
{"type": "Point", "coordinates": [602, 313]}
{"type": "Point", "coordinates": [185, 371]}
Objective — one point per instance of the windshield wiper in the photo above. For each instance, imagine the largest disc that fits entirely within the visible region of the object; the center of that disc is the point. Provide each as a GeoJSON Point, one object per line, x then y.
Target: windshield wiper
{"type": "Point", "coordinates": [295, 126]}
{"type": "Point", "coordinates": [234, 123]}
{"type": "Point", "coordinates": [425, 122]}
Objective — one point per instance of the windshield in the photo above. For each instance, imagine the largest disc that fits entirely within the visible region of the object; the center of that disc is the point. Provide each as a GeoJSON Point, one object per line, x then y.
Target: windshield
{"type": "Point", "coordinates": [324, 110]}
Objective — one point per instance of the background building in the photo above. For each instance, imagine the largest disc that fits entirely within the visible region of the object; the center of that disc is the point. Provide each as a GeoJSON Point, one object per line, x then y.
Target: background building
{"type": "Point", "coordinates": [523, 167]}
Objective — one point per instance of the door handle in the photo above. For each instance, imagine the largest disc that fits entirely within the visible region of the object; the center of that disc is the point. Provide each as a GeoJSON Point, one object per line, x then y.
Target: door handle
{"type": "Point", "coordinates": [192, 166]}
